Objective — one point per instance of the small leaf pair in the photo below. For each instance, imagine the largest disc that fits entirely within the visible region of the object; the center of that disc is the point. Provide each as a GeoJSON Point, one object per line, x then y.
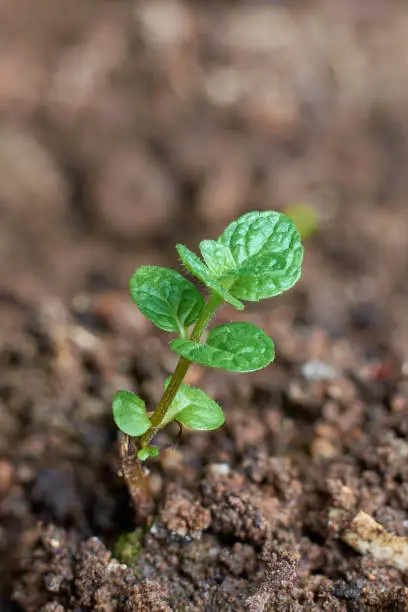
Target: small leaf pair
{"type": "Point", "coordinates": [191, 407]}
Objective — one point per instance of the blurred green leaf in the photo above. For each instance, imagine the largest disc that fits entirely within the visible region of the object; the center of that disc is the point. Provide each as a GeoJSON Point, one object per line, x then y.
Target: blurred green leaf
{"type": "Point", "coordinates": [305, 218]}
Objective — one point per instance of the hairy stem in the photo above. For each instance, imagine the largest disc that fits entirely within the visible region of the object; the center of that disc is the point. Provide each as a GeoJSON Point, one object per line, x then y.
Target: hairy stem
{"type": "Point", "coordinates": [181, 370]}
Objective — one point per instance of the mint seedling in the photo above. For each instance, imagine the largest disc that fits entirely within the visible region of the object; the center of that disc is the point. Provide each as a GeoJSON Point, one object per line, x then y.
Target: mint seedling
{"type": "Point", "coordinates": [258, 256]}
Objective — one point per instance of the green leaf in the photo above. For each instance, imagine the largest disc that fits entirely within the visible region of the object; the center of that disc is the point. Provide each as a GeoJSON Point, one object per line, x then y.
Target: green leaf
{"type": "Point", "coordinates": [305, 217]}
{"type": "Point", "coordinates": [129, 413]}
{"type": "Point", "coordinates": [147, 452]}
{"type": "Point", "coordinates": [259, 256]}
{"type": "Point", "coordinates": [200, 271]}
{"type": "Point", "coordinates": [238, 347]}
{"type": "Point", "coordinates": [165, 297]}
{"type": "Point", "coordinates": [217, 256]}
{"type": "Point", "coordinates": [194, 408]}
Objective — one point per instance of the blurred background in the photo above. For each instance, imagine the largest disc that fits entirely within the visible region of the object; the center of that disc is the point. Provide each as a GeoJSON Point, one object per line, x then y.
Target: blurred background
{"type": "Point", "coordinates": [128, 126]}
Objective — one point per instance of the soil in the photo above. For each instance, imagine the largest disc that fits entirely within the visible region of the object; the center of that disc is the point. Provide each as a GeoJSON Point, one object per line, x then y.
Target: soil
{"type": "Point", "coordinates": [123, 130]}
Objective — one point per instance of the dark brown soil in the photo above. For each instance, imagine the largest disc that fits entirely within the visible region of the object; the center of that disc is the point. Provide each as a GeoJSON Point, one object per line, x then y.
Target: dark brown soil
{"type": "Point", "coordinates": [125, 128]}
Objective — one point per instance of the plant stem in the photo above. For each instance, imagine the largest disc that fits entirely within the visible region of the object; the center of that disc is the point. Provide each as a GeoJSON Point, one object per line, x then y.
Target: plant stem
{"type": "Point", "coordinates": [181, 370]}
{"type": "Point", "coordinates": [135, 479]}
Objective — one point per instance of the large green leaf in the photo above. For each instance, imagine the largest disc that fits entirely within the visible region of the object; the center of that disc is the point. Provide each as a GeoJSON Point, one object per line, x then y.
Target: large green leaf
{"type": "Point", "coordinates": [238, 347]}
{"type": "Point", "coordinates": [129, 413]}
{"type": "Point", "coordinates": [165, 297]}
{"type": "Point", "coordinates": [258, 256]}
{"type": "Point", "coordinates": [200, 271]}
{"type": "Point", "coordinates": [194, 408]}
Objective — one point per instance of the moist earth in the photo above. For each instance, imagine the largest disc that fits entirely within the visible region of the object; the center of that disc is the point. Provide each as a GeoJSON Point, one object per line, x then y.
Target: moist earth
{"type": "Point", "coordinates": [249, 517]}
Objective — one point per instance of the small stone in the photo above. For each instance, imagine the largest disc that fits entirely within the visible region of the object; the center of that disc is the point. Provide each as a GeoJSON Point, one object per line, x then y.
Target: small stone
{"type": "Point", "coordinates": [52, 607]}
{"type": "Point", "coordinates": [321, 448]}
{"type": "Point", "coordinates": [25, 473]}
{"type": "Point", "coordinates": [317, 370]}
{"type": "Point", "coordinates": [368, 537]}
{"type": "Point", "coordinates": [53, 583]}
{"type": "Point", "coordinates": [219, 469]}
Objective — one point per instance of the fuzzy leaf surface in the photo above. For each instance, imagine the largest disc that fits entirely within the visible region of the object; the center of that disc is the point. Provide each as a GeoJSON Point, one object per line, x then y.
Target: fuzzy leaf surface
{"type": "Point", "coordinates": [200, 271]}
{"type": "Point", "coordinates": [238, 347]}
{"type": "Point", "coordinates": [166, 298]}
{"type": "Point", "coordinates": [259, 255]}
{"type": "Point", "coordinates": [129, 413]}
{"type": "Point", "coordinates": [217, 256]}
{"type": "Point", "coordinates": [194, 408]}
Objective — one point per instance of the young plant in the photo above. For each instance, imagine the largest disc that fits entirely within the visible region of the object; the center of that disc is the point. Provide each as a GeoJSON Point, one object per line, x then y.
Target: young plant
{"type": "Point", "coordinates": [258, 256]}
